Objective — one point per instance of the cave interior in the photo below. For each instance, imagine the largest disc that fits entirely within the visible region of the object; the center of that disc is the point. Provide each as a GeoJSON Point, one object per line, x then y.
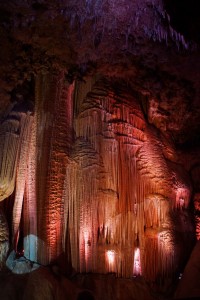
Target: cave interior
{"type": "Point", "coordinates": [99, 149]}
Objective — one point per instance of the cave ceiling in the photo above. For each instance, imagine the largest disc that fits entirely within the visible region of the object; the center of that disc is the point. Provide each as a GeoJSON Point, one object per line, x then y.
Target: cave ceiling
{"type": "Point", "coordinates": [150, 46]}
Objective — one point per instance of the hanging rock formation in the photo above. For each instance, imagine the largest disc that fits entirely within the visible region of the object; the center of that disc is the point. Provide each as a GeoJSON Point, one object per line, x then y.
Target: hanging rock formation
{"type": "Point", "coordinates": [93, 185]}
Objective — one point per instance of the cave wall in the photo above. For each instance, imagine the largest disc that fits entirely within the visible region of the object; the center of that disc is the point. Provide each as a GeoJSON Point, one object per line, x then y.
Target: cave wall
{"type": "Point", "coordinates": [97, 188]}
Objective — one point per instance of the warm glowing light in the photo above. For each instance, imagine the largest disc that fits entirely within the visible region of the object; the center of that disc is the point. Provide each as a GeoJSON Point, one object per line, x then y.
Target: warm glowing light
{"type": "Point", "coordinates": [85, 248]}
{"type": "Point", "coordinates": [111, 256]}
{"type": "Point", "coordinates": [181, 202]}
{"type": "Point", "coordinates": [164, 238]}
{"type": "Point", "coordinates": [86, 236]}
{"type": "Point", "coordinates": [135, 208]}
{"type": "Point", "coordinates": [137, 264]}
{"type": "Point", "coordinates": [182, 198]}
{"type": "Point", "coordinates": [87, 244]}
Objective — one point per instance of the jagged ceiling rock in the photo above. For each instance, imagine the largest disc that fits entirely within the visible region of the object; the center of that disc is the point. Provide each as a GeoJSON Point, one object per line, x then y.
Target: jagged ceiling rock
{"type": "Point", "coordinates": [142, 42]}
{"type": "Point", "coordinates": [184, 17]}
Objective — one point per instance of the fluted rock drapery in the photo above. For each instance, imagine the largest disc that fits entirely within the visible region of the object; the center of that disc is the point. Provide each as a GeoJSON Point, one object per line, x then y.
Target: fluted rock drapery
{"type": "Point", "coordinates": [14, 143]}
{"type": "Point", "coordinates": [99, 187]}
{"type": "Point", "coordinates": [51, 140]}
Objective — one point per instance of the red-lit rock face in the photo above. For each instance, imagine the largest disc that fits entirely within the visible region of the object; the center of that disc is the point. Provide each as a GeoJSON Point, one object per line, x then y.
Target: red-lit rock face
{"type": "Point", "coordinates": [96, 181]}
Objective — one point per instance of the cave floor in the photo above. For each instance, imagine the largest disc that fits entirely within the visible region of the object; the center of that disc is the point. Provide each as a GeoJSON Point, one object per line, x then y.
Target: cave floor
{"type": "Point", "coordinates": [48, 283]}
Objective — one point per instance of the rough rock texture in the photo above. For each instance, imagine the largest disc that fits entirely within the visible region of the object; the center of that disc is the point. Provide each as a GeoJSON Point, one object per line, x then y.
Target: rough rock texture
{"type": "Point", "coordinates": [101, 192]}
{"type": "Point", "coordinates": [14, 130]}
{"type": "Point", "coordinates": [4, 239]}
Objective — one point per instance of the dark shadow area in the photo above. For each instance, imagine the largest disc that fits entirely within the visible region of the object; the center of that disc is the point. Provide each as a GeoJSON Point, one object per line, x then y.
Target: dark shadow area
{"type": "Point", "coordinates": [85, 295]}
{"type": "Point", "coordinates": [184, 16]}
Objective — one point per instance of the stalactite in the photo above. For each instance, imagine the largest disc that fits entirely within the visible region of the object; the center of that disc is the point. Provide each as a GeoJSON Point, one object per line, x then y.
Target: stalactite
{"type": "Point", "coordinates": [25, 129]}
{"type": "Point", "coordinates": [14, 136]}
{"type": "Point", "coordinates": [9, 141]}
{"type": "Point", "coordinates": [71, 212]}
{"type": "Point", "coordinates": [31, 240]}
{"type": "Point", "coordinates": [115, 131]}
{"type": "Point", "coordinates": [97, 187]}
{"type": "Point", "coordinates": [158, 234]}
{"type": "Point", "coordinates": [130, 160]}
{"type": "Point", "coordinates": [43, 179]}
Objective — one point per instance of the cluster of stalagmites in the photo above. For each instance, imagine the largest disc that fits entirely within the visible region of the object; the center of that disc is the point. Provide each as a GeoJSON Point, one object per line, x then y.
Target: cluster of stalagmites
{"type": "Point", "coordinates": [92, 183]}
